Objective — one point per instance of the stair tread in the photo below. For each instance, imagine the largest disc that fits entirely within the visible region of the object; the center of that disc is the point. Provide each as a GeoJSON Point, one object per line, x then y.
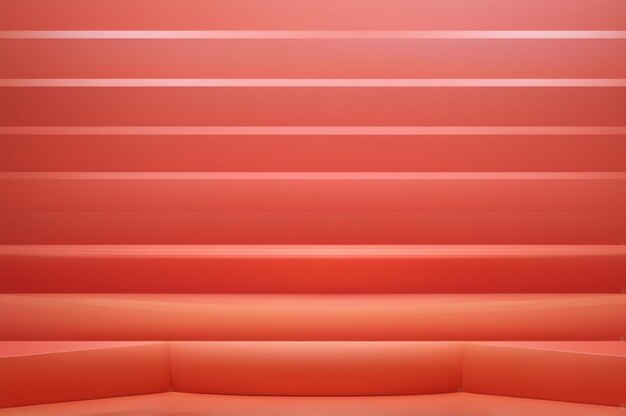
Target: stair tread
{"type": "Point", "coordinates": [451, 404]}
{"type": "Point", "coordinates": [312, 317]}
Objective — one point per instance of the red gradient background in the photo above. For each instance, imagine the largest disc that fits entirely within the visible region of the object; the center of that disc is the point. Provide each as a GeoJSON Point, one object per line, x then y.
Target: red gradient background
{"type": "Point", "coordinates": [293, 207]}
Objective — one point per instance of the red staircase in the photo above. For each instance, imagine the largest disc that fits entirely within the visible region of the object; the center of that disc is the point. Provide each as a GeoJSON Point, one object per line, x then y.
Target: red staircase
{"type": "Point", "coordinates": [296, 207]}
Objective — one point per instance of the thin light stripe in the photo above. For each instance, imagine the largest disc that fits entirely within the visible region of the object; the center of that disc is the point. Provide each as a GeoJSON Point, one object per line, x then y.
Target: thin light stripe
{"type": "Point", "coordinates": [286, 251]}
{"type": "Point", "coordinates": [314, 34]}
{"type": "Point", "coordinates": [304, 176]}
{"type": "Point", "coordinates": [311, 82]}
{"type": "Point", "coordinates": [312, 130]}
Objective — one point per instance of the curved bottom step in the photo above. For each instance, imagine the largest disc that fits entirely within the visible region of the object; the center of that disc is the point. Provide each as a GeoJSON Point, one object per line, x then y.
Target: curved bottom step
{"type": "Point", "coordinates": [34, 373]}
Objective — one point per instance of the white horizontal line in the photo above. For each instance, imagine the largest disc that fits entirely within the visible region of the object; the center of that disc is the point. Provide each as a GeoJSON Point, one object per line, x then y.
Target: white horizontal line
{"type": "Point", "coordinates": [303, 176]}
{"type": "Point", "coordinates": [313, 130]}
{"type": "Point", "coordinates": [314, 34]}
{"type": "Point", "coordinates": [312, 82]}
{"type": "Point", "coordinates": [282, 251]}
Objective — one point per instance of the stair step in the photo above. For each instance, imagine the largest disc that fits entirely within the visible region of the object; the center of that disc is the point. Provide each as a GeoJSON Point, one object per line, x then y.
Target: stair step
{"type": "Point", "coordinates": [312, 317]}
{"type": "Point", "coordinates": [311, 269]}
{"type": "Point", "coordinates": [450, 404]}
{"type": "Point", "coordinates": [313, 191]}
{"type": "Point", "coordinates": [48, 372]}
{"type": "Point", "coordinates": [319, 150]}
{"type": "Point", "coordinates": [291, 59]}
{"type": "Point", "coordinates": [527, 369]}
{"type": "Point", "coordinates": [312, 227]}
{"type": "Point", "coordinates": [400, 15]}
{"type": "Point", "coordinates": [312, 106]}
{"type": "Point", "coordinates": [44, 372]}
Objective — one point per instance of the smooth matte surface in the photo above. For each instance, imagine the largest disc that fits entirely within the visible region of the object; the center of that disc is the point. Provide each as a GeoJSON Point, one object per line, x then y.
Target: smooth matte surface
{"type": "Point", "coordinates": [312, 227]}
{"type": "Point", "coordinates": [323, 192]}
{"type": "Point", "coordinates": [66, 372]}
{"type": "Point", "coordinates": [316, 368]}
{"type": "Point", "coordinates": [318, 14]}
{"type": "Point", "coordinates": [300, 58]}
{"type": "Point", "coordinates": [185, 404]}
{"type": "Point", "coordinates": [43, 372]}
{"type": "Point", "coordinates": [312, 106]}
{"type": "Point", "coordinates": [312, 317]}
{"type": "Point", "coordinates": [420, 169]}
{"type": "Point", "coordinates": [159, 151]}
{"type": "Point", "coordinates": [329, 269]}
{"type": "Point", "coordinates": [587, 376]}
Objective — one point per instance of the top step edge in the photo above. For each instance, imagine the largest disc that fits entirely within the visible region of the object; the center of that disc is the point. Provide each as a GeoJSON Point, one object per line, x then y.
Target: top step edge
{"type": "Point", "coordinates": [313, 34]}
{"type": "Point", "coordinates": [312, 251]}
{"type": "Point", "coordinates": [300, 176]}
{"type": "Point", "coordinates": [314, 130]}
